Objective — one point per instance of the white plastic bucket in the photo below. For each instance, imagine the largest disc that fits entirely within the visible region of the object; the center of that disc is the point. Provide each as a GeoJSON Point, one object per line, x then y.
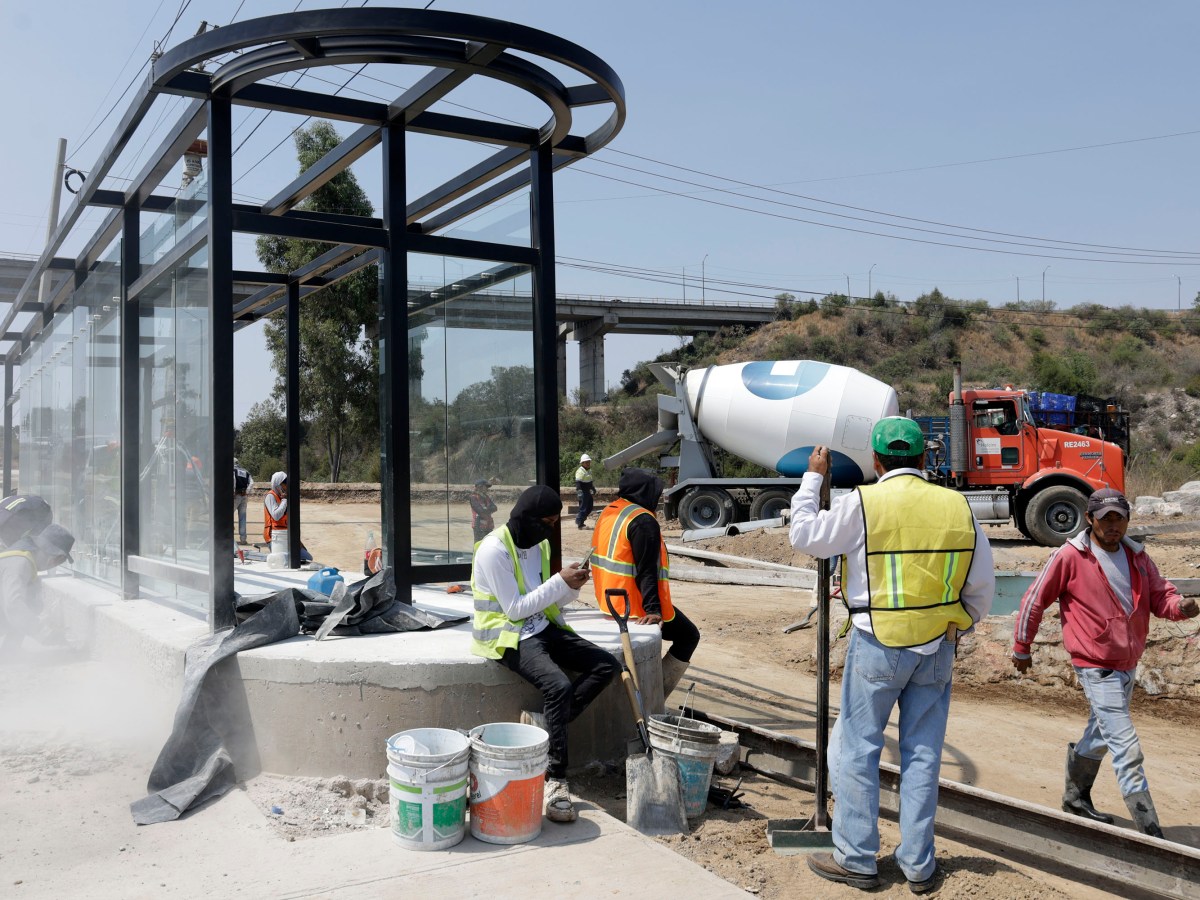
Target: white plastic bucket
{"type": "Point", "coordinates": [695, 747]}
{"type": "Point", "coordinates": [278, 557]}
{"type": "Point", "coordinates": [427, 776]}
{"type": "Point", "coordinates": [508, 778]}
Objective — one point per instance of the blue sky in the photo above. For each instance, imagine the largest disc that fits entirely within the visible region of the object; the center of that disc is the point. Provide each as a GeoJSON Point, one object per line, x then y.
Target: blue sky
{"type": "Point", "coordinates": [1067, 126]}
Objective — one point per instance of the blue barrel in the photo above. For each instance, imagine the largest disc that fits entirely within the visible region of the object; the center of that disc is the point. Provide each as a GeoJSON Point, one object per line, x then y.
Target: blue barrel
{"type": "Point", "coordinates": [323, 581]}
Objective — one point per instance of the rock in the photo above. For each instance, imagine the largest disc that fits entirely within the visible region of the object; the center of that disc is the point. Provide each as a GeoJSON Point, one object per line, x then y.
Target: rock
{"type": "Point", "coordinates": [1192, 487]}
{"type": "Point", "coordinates": [728, 754]}
{"type": "Point", "coordinates": [1187, 501]}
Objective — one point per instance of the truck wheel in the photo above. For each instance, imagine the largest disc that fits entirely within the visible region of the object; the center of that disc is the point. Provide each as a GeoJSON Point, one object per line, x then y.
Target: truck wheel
{"type": "Point", "coordinates": [770, 504]}
{"type": "Point", "coordinates": [1055, 514]}
{"type": "Point", "coordinates": [705, 508]}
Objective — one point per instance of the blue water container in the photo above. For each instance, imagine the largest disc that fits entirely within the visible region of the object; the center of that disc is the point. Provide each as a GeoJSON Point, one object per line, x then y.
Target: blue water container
{"type": "Point", "coordinates": [323, 581]}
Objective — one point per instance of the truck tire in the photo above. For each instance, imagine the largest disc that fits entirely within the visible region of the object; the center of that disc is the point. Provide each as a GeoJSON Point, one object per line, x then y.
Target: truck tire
{"type": "Point", "coordinates": [705, 508]}
{"type": "Point", "coordinates": [1055, 514]}
{"type": "Point", "coordinates": [771, 504]}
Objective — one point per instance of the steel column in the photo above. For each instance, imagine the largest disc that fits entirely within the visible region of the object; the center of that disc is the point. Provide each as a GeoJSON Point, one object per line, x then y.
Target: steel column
{"type": "Point", "coordinates": [293, 423]}
{"type": "Point", "coordinates": [393, 365]}
{"type": "Point", "coordinates": [8, 381]}
{"type": "Point", "coordinates": [220, 361]}
{"type": "Point", "coordinates": [545, 336]}
{"type": "Point", "coordinates": [129, 323]}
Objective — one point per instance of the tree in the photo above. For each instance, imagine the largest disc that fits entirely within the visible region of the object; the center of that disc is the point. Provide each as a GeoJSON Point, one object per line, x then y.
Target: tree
{"type": "Point", "coordinates": [338, 362]}
{"type": "Point", "coordinates": [261, 444]}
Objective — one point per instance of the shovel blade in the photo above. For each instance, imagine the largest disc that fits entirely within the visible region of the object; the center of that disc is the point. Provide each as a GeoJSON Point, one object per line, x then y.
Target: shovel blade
{"type": "Point", "coordinates": [654, 795]}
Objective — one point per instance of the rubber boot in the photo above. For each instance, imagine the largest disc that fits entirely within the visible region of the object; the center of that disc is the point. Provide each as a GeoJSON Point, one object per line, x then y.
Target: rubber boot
{"type": "Point", "coordinates": [672, 669]}
{"type": "Point", "coordinates": [1145, 818]}
{"type": "Point", "coordinates": [1077, 795]}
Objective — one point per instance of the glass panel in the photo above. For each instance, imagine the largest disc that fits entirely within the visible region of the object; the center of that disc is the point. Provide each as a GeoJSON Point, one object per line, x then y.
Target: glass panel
{"type": "Point", "coordinates": [503, 222]}
{"type": "Point", "coordinates": [174, 425]}
{"type": "Point", "coordinates": [471, 396]}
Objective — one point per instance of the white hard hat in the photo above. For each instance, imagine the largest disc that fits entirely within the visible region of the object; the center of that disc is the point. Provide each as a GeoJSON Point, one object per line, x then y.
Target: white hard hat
{"type": "Point", "coordinates": [585, 458]}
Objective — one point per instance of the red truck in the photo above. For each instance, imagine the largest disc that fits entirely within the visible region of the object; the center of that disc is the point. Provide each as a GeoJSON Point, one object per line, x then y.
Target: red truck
{"type": "Point", "coordinates": [991, 449]}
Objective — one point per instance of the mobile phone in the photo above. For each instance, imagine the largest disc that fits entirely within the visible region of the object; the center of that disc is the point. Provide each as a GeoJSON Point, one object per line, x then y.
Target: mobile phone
{"type": "Point", "coordinates": [587, 560]}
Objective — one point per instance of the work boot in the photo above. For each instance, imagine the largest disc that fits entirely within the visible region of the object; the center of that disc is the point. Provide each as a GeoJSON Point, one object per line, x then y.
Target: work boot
{"type": "Point", "coordinates": [1145, 818]}
{"type": "Point", "coordinates": [1077, 795]}
{"type": "Point", "coordinates": [826, 866]}
{"type": "Point", "coordinates": [559, 807]}
{"type": "Point", "coordinates": [672, 671]}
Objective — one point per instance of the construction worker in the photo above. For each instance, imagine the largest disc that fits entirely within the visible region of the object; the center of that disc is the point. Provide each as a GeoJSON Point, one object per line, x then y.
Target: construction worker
{"type": "Point", "coordinates": [1106, 587]}
{"type": "Point", "coordinates": [916, 571]}
{"type": "Point", "coordinates": [23, 612]}
{"type": "Point", "coordinates": [585, 491]}
{"type": "Point", "coordinates": [628, 552]}
{"type": "Point", "coordinates": [275, 515]}
{"type": "Point", "coordinates": [482, 507]}
{"type": "Point", "coordinates": [242, 482]}
{"type": "Point", "coordinates": [518, 622]}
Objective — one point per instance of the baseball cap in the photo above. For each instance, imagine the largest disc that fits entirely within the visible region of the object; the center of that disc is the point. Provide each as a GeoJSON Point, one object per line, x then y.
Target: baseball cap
{"type": "Point", "coordinates": [897, 436]}
{"type": "Point", "coordinates": [55, 540]}
{"type": "Point", "coordinates": [585, 458]}
{"type": "Point", "coordinates": [483, 482]}
{"type": "Point", "coordinates": [1107, 500]}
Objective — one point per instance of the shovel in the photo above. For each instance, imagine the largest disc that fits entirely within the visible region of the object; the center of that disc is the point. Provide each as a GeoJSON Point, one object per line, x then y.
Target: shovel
{"type": "Point", "coordinates": [653, 787]}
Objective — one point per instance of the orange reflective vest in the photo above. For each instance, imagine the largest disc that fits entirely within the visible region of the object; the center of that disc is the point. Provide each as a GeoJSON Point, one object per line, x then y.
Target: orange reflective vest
{"type": "Point", "coordinates": [270, 523]}
{"type": "Point", "coordinates": [613, 564]}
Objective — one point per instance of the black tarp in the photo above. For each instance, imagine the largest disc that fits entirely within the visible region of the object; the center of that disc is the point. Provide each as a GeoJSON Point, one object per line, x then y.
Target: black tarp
{"type": "Point", "coordinates": [197, 762]}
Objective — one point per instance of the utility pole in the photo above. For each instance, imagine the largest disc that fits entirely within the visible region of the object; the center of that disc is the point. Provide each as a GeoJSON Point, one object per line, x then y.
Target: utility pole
{"type": "Point", "coordinates": [1018, 277]}
{"type": "Point", "coordinates": [1044, 285]}
{"type": "Point", "coordinates": [684, 283]}
{"type": "Point", "coordinates": [703, 292]}
{"type": "Point", "coordinates": [1179, 293]}
{"type": "Point", "coordinates": [847, 287]}
{"type": "Point", "coordinates": [869, 271]}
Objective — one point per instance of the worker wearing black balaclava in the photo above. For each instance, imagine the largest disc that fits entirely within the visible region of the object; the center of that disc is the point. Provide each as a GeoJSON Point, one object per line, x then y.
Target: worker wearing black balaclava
{"type": "Point", "coordinates": [518, 623]}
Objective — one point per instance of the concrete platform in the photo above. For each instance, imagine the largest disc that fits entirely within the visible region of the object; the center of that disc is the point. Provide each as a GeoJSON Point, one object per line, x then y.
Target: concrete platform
{"type": "Point", "coordinates": [325, 709]}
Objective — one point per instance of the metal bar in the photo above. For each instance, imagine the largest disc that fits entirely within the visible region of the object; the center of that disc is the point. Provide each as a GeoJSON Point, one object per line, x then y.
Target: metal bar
{"type": "Point", "coordinates": [129, 324]}
{"type": "Point", "coordinates": [309, 228]}
{"type": "Point", "coordinates": [437, 84]}
{"type": "Point", "coordinates": [448, 246]}
{"type": "Point", "coordinates": [324, 170]}
{"type": "Point", "coordinates": [184, 576]}
{"type": "Point", "coordinates": [220, 362]}
{"type": "Point", "coordinates": [480, 173]}
{"type": "Point", "coordinates": [292, 413]}
{"type": "Point", "coordinates": [393, 365]}
{"type": "Point", "coordinates": [545, 346]}
{"type": "Point", "coordinates": [8, 392]}
{"type": "Point", "coordinates": [1116, 859]}
{"type": "Point", "coordinates": [244, 277]}
{"type": "Point", "coordinates": [176, 256]}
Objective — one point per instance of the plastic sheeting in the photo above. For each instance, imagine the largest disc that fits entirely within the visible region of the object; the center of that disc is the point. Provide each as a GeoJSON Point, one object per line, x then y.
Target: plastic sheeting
{"type": "Point", "coordinates": [211, 728]}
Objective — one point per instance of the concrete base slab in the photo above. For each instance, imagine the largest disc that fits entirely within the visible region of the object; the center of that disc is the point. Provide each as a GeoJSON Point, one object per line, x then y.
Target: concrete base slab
{"type": "Point", "coordinates": [328, 708]}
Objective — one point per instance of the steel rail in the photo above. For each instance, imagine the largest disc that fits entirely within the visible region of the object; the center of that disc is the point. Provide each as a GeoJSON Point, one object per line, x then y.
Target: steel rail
{"type": "Point", "coordinates": [1116, 859]}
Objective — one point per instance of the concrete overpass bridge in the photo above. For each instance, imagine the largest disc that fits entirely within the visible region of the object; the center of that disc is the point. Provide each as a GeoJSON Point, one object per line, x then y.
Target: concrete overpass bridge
{"type": "Point", "coordinates": [477, 300]}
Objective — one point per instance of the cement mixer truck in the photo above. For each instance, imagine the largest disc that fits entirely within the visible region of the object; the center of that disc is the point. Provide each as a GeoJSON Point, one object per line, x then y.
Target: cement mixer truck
{"type": "Point", "coordinates": [773, 413]}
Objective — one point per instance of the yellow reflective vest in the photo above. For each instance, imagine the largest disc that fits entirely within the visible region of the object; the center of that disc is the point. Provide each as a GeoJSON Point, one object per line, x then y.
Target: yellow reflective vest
{"type": "Point", "coordinates": [493, 631]}
{"type": "Point", "coordinates": [920, 540]}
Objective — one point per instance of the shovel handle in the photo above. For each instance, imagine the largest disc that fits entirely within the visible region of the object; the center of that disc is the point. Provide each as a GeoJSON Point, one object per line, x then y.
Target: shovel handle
{"type": "Point", "coordinates": [623, 625]}
{"type": "Point", "coordinates": [636, 705]}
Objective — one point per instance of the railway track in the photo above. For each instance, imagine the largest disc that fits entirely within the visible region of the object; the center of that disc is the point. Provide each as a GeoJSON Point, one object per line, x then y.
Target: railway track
{"type": "Point", "coordinates": [1116, 859]}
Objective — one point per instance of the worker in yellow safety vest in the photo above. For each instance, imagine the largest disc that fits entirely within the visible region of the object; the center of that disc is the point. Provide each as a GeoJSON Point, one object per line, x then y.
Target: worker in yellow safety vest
{"type": "Point", "coordinates": [23, 610]}
{"type": "Point", "coordinates": [916, 573]}
{"type": "Point", "coordinates": [628, 552]}
{"type": "Point", "coordinates": [519, 623]}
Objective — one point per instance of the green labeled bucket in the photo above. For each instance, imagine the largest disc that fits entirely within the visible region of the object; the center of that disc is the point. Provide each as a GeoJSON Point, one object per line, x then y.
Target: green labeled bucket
{"type": "Point", "coordinates": [427, 777]}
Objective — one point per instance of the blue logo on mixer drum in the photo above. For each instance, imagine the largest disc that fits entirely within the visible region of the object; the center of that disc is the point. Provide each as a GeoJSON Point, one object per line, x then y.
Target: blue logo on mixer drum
{"type": "Point", "coordinates": [760, 379]}
{"type": "Point", "coordinates": [844, 472]}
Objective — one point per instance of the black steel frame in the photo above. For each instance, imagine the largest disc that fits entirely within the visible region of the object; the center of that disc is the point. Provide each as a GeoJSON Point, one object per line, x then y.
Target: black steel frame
{"type": "Point", "coordinates": [455, 48]}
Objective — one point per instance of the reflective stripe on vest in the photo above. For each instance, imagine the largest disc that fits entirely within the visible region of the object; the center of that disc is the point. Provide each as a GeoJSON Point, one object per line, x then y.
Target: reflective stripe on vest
{"type": "Point", "coordinates": [613, 565]}
{"type": "Point", "coordinates": [920, 540]}
{"type": "Point", "coordinates": [492, 630]}
{"type": "Point", "coordinates": [24, 553]}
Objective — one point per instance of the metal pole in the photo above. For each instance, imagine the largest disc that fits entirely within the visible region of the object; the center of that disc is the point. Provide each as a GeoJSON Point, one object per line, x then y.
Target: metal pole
{"type": "Point", "coordinates": [703, 292]}
{"type": "Point", "coordinates": [1044, 284]}
{"type": "Point", "coordinates": [1018, 277]}
{"type": "Point", "coordinates": [869, 271]}
{"type": "Point", "coordinates": [1179, 293]}
{"type": "Point", "coordinates": [545, 304]}
{"type": "Point", "coordinates": [847, 288]}
{"type": "Point", "coordinates": [292, 417]}
{"type": "Point", "coordinates": [821, 785]}
{"type": "Point", "coordinates": [52, 218]}
{"type": "Point", "coordinates": [683, 282]}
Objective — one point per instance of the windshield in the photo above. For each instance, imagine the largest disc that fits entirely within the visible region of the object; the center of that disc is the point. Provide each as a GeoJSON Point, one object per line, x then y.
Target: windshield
{"type": "Point", "coordinates": [1026, 412]}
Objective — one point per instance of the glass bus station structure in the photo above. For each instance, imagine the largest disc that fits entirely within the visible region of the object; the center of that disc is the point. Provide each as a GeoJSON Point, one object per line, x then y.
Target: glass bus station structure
{"type": "Point", "coordinates": [119, 360]}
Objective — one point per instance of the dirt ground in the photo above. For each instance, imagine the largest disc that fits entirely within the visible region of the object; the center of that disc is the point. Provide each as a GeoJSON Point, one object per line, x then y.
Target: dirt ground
{"type": "Point", "coordinates": [1007, 733]}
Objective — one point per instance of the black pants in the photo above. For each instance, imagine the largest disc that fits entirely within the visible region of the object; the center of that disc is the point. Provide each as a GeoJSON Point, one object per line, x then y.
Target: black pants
{"type": "Point", "coordinates": [585, 499]}
{"type": "Point", "coordinates": [682, 635]}
{"type": "Point", "coordinates": [540, 660]}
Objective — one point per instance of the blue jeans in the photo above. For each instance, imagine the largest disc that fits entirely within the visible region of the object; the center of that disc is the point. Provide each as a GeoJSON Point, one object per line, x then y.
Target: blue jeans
{"type": "Point", "coordinates": [875, 679]}
{"type": "Point", "coordinates": [1110, 727]}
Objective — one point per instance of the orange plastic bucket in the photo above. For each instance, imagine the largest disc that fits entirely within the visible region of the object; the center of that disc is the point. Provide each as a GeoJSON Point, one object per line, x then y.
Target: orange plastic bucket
{"type": "Point", "coordinates": [508, 777]}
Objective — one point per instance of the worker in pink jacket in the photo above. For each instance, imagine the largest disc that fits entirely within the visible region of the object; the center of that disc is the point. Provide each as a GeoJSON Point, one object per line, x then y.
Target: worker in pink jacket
{"type": "Point", "coordinates": [1106, 587]}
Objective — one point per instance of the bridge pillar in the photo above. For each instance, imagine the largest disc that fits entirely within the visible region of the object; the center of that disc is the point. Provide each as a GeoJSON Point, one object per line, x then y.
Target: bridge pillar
{"type": "Point", "coordinates": [561, 346]}
{"type": "Point", "coordinates": [590, 335]}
